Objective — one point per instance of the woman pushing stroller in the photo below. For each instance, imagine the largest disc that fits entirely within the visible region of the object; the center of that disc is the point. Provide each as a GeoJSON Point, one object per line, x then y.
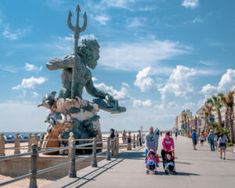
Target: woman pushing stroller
{"type": "Point", "coordinates": [168, 154]}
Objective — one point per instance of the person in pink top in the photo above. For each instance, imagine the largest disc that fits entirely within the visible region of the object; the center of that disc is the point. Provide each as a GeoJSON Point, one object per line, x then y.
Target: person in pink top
{"type": "Point", "coordinates": [168, 143]}
{"type": "Point", "coordinates": [168, 146]}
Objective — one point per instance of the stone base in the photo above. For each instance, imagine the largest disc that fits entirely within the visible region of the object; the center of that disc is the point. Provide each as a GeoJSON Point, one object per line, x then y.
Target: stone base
{"type": "Point", "coordinates": [20, 166]}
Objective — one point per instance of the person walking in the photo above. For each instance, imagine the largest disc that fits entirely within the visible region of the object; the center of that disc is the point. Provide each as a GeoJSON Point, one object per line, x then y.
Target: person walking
{"type": "Point", "coordinates": [112, 133]}
{"type": "Point", "coordinates": [168, 146]}
{"type": "Point", "coordinates": [211, 138]}
{"type": "Point", "coordinates": [176, 134]}
{"type": "Point", "coordinates": [222, 142]}
{"type": "Point", "coordinates": [156, 137]}
{"type": "Point", "coordinates": [151, 141]}
{"type": "Point", "coordinates": [202, 138]}
{"type": "Point", "coordinates": [216, 141]}
{"type": "Point", "coordinates": [194, 139]}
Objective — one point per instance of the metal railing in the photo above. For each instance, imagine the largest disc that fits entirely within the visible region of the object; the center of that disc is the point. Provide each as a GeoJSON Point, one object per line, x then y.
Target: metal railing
{"type": "Point", "coordinates": [112, 150]}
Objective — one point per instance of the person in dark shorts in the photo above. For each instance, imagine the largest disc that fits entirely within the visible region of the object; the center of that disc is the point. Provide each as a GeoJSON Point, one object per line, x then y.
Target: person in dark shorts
{"type": "Point", "coordinates": [194, 139]}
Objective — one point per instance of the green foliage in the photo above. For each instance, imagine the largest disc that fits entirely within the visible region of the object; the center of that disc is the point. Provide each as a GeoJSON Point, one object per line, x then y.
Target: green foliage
{"type": "Point", "coordinates": [223, 130]}
{"type": "Point", "coordinates": [230, 144]}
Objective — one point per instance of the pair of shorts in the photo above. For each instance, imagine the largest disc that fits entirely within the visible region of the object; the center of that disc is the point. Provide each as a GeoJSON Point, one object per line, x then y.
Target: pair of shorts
{"type": "Point", "coordinates": [222, 145]}
{"type": "Point", "coordinates": [194, 142]}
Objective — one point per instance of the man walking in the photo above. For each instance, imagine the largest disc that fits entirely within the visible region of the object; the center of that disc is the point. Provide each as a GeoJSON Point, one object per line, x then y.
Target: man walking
{"type": "Point", "coordinates": [211, 138]}
{"type": "Point", "coordinates": [151, 140]}
{"type": "Point", "coordinates": [194, 139]}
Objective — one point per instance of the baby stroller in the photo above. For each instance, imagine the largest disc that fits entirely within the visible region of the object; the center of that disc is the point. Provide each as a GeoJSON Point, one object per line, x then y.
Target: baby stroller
{"type": "Point", "coordinates": [168, 162]}
{"type": "Point", "coordinates": [151, 161]}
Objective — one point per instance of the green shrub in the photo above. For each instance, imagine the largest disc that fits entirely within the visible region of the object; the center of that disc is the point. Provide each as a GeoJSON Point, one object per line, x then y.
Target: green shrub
{"type": "Point", "coordinates": [230, 144]}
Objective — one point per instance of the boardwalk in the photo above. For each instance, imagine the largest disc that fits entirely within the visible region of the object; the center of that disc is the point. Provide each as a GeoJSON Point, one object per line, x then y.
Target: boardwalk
{"type": "Point", "coordinates": [201, 168]}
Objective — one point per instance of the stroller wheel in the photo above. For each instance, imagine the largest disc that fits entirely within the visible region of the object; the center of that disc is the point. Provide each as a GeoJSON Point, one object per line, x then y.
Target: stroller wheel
{"type": "Point", "coordinates": [155, 172]}
{"type": "Point", "coordinates": [147, 171]}
{"type": "Point", "coordinates": [166, 171]}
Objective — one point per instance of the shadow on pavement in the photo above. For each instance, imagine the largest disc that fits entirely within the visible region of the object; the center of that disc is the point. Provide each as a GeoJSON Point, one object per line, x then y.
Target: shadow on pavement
{"type": "Point", "coordinates": [178, 174]}
{"type": "Point", "coordinates": [136, 155]}
{"type": "Point", "coordinates": [93, 174]}
{"type": "Point", "coordinates": [180, 162]}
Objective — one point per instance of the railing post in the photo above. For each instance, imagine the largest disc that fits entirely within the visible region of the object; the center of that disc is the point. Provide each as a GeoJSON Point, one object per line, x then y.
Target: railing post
{"type": "Point", "coordinates": [129, 147]}
{"type": "Point", "coordinates": [94, 161]}
{"type": "Point", "coordinates": [29, 142]}
{"type": "Point", "coordinates": [134, 141]}
{"type": "Point", "coordinates": [72, 154]}
{"type": "Point", "coordinates": [108, 157]}
{"type": "Point", "coordinates": [33, 177]}
{"type": "Point", "coordinates": [138, 140]}
{"type": "Point", "coordinates": [17, 144]}
{"type": "Point", "coordinates": [117, 145]}
{"type": "Point", "coordinates": [2, 145]}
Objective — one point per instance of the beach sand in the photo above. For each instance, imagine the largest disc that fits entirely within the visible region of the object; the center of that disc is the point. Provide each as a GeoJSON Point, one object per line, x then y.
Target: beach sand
{"type": "Point", "coordinates": [24, 183]}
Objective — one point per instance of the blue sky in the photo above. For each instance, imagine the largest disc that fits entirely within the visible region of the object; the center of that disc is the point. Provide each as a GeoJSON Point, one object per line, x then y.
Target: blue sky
{"type": "Point", "coordinates": [158, 57]}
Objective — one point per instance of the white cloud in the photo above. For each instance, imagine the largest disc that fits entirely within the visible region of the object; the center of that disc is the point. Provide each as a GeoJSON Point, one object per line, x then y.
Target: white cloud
{"type": "Point", "coordinates": [14, 35]}
{"type": "Point", "coordinates": [35, 94]}
{"type": "Point", "coordinates": [208, 89]}
{"type": "Point", "coordinates": [142, 103]}
{"type": "Point", "coordinates": [31, 67]}
{"type": "Point", "coordinates": [227, 80]}
{"type": "Point", "coordinates": [102, 19]}
{"type": "Point", "coordinates": [190, 3]}
{"type": "Point", "coordinates": [197, 20]}
{"type": "Point", "coordinates": [144, 80]}
{"type": "Point", "coordinates": [178, 82]}
{"type": "Point", "coordinates": [117, 94]}
{"type": "Point", "coordinates": [116, 3]}
{"type": "Point", "coordinates": [136, 22]}
{"type": "Point", "coordinates": [138, 55]}
{"type": "Point", "coordinates": [226, 83]}
{"type": "Point", "coordinates": [29, 83]}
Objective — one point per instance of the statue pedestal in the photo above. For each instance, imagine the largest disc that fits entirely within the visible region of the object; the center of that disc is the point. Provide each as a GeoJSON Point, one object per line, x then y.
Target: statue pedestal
{"type": "Point", "coordinates": [72, 115]}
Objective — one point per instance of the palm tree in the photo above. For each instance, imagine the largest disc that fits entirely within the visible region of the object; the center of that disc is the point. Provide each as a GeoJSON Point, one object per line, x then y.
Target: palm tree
{"type": "Point", "coordinates": [228, 100]}
{"type": "Point", "coordinates": [207, 108]}
{"type": "Point", "coordinates": [216, 103]}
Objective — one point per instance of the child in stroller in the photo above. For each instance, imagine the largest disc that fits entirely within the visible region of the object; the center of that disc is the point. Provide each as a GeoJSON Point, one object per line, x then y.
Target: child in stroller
{"type": "Point", "coordinates": [152, 160]}
{"type": "Point", "coordinates": [168, 162]}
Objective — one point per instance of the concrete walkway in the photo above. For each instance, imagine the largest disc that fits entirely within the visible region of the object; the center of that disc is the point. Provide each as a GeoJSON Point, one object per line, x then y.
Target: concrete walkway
{"type": "Point", "coordinates": [196, 169]}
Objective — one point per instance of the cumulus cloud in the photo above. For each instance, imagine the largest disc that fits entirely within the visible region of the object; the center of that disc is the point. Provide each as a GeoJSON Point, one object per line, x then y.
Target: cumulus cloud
{"type": "Point", "coordinates": [208, 89]}
{"type": "Point", "coordinates": [14, 35]}
{"type": "Point", "coordinates": [138, 55]}
{"type": "Point", "coordinates": [190, 3]}
{"type": "Point", "coordinates": [143, 79]}
{"type": "Point", "coordinates": [31, 67]}
{"type": "Point", "coordinates": [226, 83]}
{"type": "Point", "coordinates": [102, 19]}
{"type": "Point", "coordinates": [29, 83]}
{"type": "Point", "coordinates": [178, 82]}
{"type": "Point", "coordinates": [142, 103]}
{"type": "Point", "coordinates": [117, 94]}
{"type": "Point", "coordinates": [116, 3]}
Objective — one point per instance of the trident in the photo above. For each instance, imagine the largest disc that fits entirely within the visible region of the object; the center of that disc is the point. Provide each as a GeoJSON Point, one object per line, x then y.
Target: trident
{"type": "Point", "coordinates": [76, 30]}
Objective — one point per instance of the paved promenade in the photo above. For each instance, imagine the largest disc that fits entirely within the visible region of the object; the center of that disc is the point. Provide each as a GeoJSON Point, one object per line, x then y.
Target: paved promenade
{"type": "Point", "coordinates": [201, 168]}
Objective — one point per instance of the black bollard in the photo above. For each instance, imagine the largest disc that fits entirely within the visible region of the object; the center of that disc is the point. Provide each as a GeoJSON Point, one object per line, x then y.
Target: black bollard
{"type": "Point", "coordinates": [33, 177]}
{"type": "Point", "coordinates": [108, 157]}
{"type": "Point", "coordinates": [94, 161]}
{"type": "Point", "coordinates": [72, 170]}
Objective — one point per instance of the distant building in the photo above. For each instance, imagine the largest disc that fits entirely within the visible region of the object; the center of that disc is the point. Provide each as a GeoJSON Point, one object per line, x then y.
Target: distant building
{"type": "Point", "coordinates": [183, 121]}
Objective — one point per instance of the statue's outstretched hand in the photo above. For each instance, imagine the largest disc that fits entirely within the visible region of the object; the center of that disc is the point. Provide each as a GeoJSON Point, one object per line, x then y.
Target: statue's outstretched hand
{"type": "Point", "coordinates": [109, 98]}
